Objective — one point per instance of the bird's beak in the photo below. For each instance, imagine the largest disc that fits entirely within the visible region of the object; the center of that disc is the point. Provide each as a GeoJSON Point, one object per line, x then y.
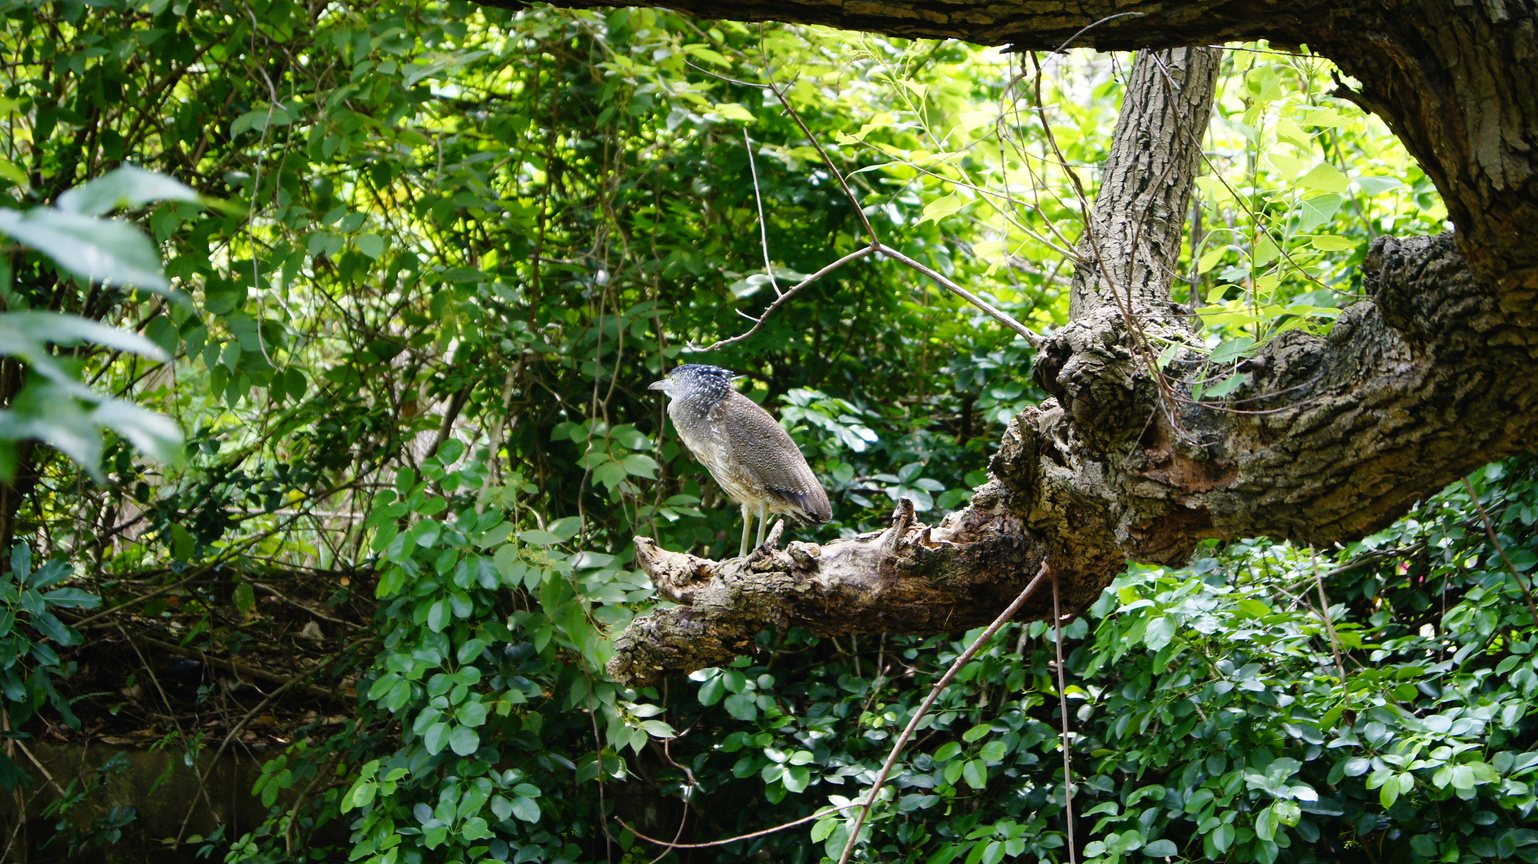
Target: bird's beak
{"type": "Point", "coordinates": [658, 385]}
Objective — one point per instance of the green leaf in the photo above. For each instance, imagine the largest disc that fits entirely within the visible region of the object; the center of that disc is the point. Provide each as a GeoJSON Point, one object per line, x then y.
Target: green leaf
{"type": "Point", "coordinates": [1211, 257]}
{"type": "Point", "coordinates": [54, 629]}
{"type": "Point", "coordinates": [371, 245]}
{"type": "Point", "coordinates": [822, 829]}
{"type": "Point", "coordinates": [65, 329]}
{"type": "Point", "coordinates": [1377, 185]}
{"type": "Point", "coordinates": [796, 779]}
{"type": "Point", "coordinates": [1232, 349]}
{"type": "Point", "coordinates": [940, 208]}
{"type": "Point", "coordinates": [1324, 177]}
{"type": "Point", "coordinates": [733, 111]}
{"type": "Point", "coordinates": [51, 573]}
{"type": "Point", "coordinates": [610, 474]}
{"type": "Point", "coordinates": [640, 465]}
{"type": "Point", "coordinates": [436, 737]}
{"type": "Point", "coordinates": [1388, 793]}
{"type": "Point", "coordinates": [1289, 166]}
{"type": "Point", "coordinates": [1226, 386]}
{"type": "Point", "coordinates": [60, 422]}
{"type": "Point", "coordinates": [464, 740]}
{"type": "Point", "coordinates": [361, 795]}
{"type": "Point", "coordinates": [1223, 837]}
{"type": "Point", "coordinates": [709, 55]}
{"type": "Point", "coordinates": [128, 186]}
{"type": "Point", "coordinates": [1159, 633]}
{"type": "Point", "coordinates": [1331, 243]}
{"type": "Point", "coordinates": [994, 751]}
{"type": "Point", "coordinates": [72, 597]}
{"type": "Point", "coordinates": [975, 773]}
{"type": "Point", "coordinates": [11, 172]}
{"type": "Point", "coordinates": [100, 250]}
{"type": "Point", "coordinates": [1290, 132]}
{"type": "Point", "coordinates": [472, 714]}
{"type": "Point", "coordinates": [526, 809]}
{"type": "Point", "coordinates": [742, 706]}
{"type": "Point", "coordinates": [565, 528]}
{"type": "Point", "coordinates": [439, 615]}
{"type": "Point", "coordinates": [976, 733]}
{"type": "Point", "coordinates": [154, 435]}
{"type": "Point", "coordinates": [1315, 211]}
{"type": "Point", "coordinates": [1265, 826]}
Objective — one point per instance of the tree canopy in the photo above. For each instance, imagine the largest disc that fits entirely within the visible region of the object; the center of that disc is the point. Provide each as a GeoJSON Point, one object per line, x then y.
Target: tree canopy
{"type": "Point", "coordinates": [324, 433]}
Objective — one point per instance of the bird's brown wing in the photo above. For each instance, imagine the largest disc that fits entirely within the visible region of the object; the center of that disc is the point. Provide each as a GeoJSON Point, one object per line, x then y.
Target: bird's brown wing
{"type": "Point", "coordinates": [770, 458]}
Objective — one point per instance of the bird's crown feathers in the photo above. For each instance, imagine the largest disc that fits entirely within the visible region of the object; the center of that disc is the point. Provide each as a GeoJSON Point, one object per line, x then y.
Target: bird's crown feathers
{"type": "Point", "coordinates": [697, 382]}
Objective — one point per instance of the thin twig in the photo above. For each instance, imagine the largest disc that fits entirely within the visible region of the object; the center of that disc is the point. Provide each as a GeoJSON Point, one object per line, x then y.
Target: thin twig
{"type": "Point", "coordinates": [779, 301]}
{"type": "Point", "coordinates": [988, 309]}
{"type": "Point", "coordinates": [1092, 25]}
{"type": "Point", "coordinates": [1062, 710]}
{"type": "Point", "coordinates": [87, 621]}
{"type": "Point", "coordinates": [758, 199]}
{"type": "Point", "coordinates": [234, 732]}
{"type": "Point", "coordinates": [827, 160]}
{"type": "Point", "coordinates": [1324, 612]}
{"type": "Point", "coordinates": [1501, 550]}
{"type": "Point", "coordinates": [870, 231]}
{"type": "Point", "coordinates": [1092, 239]}
{"type": "Point", "coordinates": [337, 695]}
{"type": "Point", "coordinates": [749, 836]}
{"type": "Point", "coordinates": [929, 701]}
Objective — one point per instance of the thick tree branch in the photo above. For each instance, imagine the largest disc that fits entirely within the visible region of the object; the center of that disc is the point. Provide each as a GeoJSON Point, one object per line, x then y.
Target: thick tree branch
{"type": "Point", "coordinates": [1038, 25]}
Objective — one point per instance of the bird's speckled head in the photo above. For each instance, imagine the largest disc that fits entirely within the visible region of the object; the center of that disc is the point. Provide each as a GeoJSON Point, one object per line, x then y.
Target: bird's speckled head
{"type": "Point", "coordinates": [696, 382]}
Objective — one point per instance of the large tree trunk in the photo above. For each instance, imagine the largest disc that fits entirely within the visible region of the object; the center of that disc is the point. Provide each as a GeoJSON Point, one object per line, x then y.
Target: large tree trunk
{"type": "Point", "coordinates": [1337, 436]}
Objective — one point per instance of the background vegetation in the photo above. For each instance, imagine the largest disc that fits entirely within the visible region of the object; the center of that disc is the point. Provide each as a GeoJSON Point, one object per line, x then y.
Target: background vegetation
{"type": "Point", "coordinates": [346, 487]}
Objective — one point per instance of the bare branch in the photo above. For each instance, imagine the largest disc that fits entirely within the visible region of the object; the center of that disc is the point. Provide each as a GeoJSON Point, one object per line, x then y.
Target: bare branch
{"type": "Point", "coordinates": [784, 298]}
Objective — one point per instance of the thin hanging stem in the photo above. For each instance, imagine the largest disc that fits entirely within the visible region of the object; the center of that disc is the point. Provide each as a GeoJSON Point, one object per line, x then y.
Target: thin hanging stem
{"type": "Point", "coordinates": [929, 701]}
{"type": "Point", "coordinates": [763, 227]}
{"type": "Point", "coordinates": [1501, 550]}
{"type": "Point", "coordinates": [1062, 710]}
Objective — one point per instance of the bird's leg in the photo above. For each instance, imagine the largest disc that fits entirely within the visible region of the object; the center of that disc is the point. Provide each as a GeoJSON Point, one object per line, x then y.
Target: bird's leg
{"type": "Point", "coordinates": [747, 528]}
{"type": "Point", "coordinates": [763, 528]}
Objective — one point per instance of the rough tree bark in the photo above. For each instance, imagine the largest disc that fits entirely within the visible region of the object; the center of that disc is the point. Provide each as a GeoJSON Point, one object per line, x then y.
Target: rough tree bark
{"type": "Point", "coordinates": [1330, 439]}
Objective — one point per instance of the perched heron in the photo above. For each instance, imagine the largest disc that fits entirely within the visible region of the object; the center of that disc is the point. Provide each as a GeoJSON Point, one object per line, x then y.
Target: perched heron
{"type": "Point", "coordinates": [744, 448]}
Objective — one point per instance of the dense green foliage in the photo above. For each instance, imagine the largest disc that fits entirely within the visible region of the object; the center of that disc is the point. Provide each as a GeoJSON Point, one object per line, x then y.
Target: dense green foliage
{"type": "Point", "coordinates": [435, 255]}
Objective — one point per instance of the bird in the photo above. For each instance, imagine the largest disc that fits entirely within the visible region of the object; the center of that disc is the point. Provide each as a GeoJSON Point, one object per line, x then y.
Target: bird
{"type": "Point", "coordinates": [743, 447]}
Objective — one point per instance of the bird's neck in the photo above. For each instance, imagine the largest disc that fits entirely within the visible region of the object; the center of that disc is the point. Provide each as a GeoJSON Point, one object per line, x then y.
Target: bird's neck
{"type": "Point", "coordinates": [694, 406]}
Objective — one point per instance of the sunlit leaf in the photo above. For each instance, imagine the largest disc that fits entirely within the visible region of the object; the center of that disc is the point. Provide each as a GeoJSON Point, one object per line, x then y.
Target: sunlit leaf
{"type": "Point", "coordinates": [100, 250]}
{"type": "Point", "coordinates": [129, 186]}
